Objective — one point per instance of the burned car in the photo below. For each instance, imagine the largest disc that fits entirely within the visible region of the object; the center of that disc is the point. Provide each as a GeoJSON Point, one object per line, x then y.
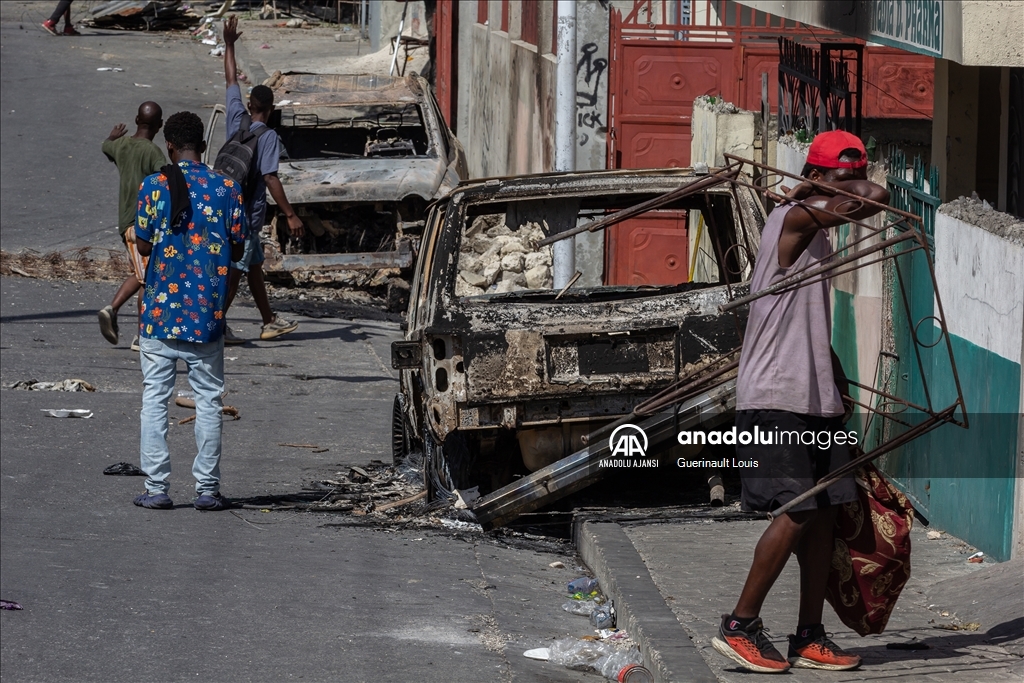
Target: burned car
{"type": "Point", "coordinates": [501, 373]}
{"type": "Point", "coordinates": [361, 158]}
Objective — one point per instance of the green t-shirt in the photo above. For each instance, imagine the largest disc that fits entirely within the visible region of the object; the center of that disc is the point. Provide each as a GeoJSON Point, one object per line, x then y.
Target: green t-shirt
{"type": "Point", "coordinates": [136, 158]}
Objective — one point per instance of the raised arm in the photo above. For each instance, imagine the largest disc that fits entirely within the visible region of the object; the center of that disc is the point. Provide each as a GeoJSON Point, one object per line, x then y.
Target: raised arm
{"type": "Point", "coordinates": [231, 34]}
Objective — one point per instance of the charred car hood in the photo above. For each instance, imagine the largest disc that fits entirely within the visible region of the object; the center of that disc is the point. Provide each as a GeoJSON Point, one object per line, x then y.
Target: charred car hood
{"type": "Point", "coordinates": [539, 350]}
{"type": "Point", "coordinates": [361, 180]}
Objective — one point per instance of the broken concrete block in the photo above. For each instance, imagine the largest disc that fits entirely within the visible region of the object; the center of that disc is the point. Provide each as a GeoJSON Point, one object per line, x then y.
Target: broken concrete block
{"type": "Point", "coordinates": [497, 230]}
{"type": "Point", "coordinates": [512, 263]}
{"type": "Point", "coordinates": [490, 272]}
{"type": "Point", "coordinates": [469, 261]}
{"type": "Point", "coordinates": [513, 246]}
{"type": "Point", "coordinates": [480, 243]}
{"type": "Point", "coordinates": [537, 258]}
{"type": "Point", "coordinates": [493, 253]}
{"type": "Point", "coordinates": [538, 277]}
{"type": "Point", "coordinates": [474, 279]}
{"type": "Point", "coordinates": [506, 286]}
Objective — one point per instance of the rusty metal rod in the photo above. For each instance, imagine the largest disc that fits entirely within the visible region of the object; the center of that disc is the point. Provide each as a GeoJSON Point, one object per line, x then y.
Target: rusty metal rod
{"type": "Point", "coordinates": [806, 274]}
{"type": "Point", "coordinates": [659, 201]}
{"type": "Point", "coordinates": [844, 217]}
{"type": "Point", "coordinates": [833, 190]}
{"type": "Point", "coordinates": [840, 472]}
{"type": "Point", "coordinates": [675, 395]}
{"type": "Point", "coordinates": [839, 270]}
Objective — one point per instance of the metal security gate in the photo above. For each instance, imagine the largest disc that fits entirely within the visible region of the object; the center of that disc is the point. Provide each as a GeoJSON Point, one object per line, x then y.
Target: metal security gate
{"type": "Point", "coordinates": [664, 54]}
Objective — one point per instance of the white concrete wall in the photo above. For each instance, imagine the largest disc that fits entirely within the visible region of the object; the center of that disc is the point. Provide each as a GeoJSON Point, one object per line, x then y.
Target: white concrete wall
{"type": "Point", "coordinates": [981, 283]}
{"type": "Point", "coordinates": [717, 134]}
{"type": "Point", "coordinates": [980, 279]}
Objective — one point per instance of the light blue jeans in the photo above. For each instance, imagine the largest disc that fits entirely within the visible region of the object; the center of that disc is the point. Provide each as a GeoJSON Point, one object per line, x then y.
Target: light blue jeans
{"type": "Point", "coordinates": [205, 363]}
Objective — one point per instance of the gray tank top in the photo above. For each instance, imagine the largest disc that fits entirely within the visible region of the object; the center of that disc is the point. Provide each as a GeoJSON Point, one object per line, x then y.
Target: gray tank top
{"type": "Point", "coordinates": [786, 362]}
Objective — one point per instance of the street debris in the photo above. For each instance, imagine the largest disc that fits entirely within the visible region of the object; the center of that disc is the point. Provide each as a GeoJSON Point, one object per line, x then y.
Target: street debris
{"type": "Point", "coordinates": [142, 85]}
{"type": "Point", "coordinates": [63, 385]}
{"type": "Point", "coordinates": [934, 535]}
{"type": "Point", "coordinates": [88, 263]}
{"type": "Point", "coordinates": [557, 565]}
{"type": "Point", "coordinates": [110, 68]}
{"type": "Point", "coordinates": [583, 608]}
{"type": "Point", "coordinates": [608, 658]}
{"type": "Point", "coordinates": [977, 558]}
{"type": "Point", "coordinates": [464, 498]}
{"type": "Point", "coordinates": [123, 469]}
{"type": "Point", "coordinates": [9, 604]}
{"type": "Point", "coordinates": [68, 412]}
{"type": "Point", "coordinates": [969, 626]}
{"type": "Point", "coordinates": [143, 16]}
{"type": "Point", "coordinates": [583, 586]}
{"type": "Point", "coordinates": [603, 617]}
{"type": "Point", "coordinates": [230, 411]}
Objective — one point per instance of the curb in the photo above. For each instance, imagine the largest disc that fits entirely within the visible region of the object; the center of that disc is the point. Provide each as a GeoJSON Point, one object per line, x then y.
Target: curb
{"type": "Point", "coordinates": [639, 606]}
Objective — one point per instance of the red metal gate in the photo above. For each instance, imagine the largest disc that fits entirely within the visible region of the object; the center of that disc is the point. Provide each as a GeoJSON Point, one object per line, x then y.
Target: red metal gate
{"type": "Point", "coordinates": [659, 65]}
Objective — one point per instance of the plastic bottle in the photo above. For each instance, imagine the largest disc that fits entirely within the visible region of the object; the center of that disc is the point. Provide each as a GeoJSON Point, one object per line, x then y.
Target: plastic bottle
{"type": "Point", "coordinates": [603, 617]}
{"type": "Point", "coordinates": [582, 607]}
{"type": "Point", "coordinates": [584, 585]}
{"type": "Point", "coordinates": [610, 666]}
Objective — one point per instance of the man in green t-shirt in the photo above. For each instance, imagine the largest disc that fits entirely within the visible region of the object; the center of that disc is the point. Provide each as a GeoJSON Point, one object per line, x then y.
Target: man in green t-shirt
{"type": "Point", "coordinates": [136, 157]}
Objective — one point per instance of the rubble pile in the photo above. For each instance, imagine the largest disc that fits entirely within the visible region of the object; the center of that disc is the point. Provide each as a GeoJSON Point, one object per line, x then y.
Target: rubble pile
{"type": "Point", "coordinates": [495, 259]}
{"type": "Point", "coordinates": [358, 490]}
{"type": "Point", "coordinates": [143, 16]}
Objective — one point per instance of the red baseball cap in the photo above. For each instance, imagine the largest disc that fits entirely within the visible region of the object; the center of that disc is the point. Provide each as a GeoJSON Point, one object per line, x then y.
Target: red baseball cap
{"type": "Point", "coordinates": [827, 147]}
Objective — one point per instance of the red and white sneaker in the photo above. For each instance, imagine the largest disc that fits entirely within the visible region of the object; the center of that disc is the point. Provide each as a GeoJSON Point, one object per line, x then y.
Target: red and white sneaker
{"type": "Point", "coordinates": [813, 649]}
{"type": "Point", "coordinates": [50, 27]}
{"type": "Point", "coordinates": [749, 647]}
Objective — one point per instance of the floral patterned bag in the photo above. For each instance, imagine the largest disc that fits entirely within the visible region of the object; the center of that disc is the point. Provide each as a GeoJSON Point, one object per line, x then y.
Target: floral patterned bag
{"type": "Point", "coordinates": [871, 559]}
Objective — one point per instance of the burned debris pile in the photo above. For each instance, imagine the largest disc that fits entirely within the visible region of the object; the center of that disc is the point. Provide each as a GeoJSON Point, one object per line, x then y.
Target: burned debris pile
{"type": "Point", "coordinates": [143, 16]}
{"type": "Point", "coordinates": [497, 259]}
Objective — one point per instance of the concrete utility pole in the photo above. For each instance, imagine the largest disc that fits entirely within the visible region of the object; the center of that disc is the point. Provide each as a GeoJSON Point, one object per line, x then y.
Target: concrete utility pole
{"type": "Point", "coordinates": [564, 251]}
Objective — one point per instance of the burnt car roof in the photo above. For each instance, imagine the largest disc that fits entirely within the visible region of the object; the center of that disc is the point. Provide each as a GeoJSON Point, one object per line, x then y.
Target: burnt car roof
{"type": "Point", "coordinates": [347, 88]}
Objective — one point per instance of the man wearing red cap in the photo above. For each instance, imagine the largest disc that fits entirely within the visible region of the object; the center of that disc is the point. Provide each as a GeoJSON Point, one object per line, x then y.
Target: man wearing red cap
{"type": "Point", "coordinates": [791, 381]}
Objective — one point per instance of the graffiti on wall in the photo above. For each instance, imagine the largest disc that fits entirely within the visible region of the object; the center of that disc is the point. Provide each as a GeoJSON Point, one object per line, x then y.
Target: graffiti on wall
{"type": "Point", "coordinates": [588, 87]}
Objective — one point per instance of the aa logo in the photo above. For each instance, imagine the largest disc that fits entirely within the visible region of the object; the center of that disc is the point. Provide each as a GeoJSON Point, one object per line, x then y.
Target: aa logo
{"type": "Point", "coordinates": [628, 441]}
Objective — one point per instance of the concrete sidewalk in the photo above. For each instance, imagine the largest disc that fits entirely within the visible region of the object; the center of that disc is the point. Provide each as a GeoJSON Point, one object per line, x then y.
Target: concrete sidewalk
{"type": "Point", "coordinates": [693, 570]}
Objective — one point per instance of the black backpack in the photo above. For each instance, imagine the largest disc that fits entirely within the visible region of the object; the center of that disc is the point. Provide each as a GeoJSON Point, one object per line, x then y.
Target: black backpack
{"type": "Point", "coordinates": [235, 158]}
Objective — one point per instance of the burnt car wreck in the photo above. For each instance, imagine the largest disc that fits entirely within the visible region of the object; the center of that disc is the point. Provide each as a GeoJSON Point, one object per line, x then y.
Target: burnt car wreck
{"type": "Point", "coordinates": [503, 375]}
{"type": "Point", "coordinates": [361, 158]}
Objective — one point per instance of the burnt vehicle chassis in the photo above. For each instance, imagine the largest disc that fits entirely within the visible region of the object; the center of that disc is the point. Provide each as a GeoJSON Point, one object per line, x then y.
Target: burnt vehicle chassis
{"type": "Point", "coordinates": [504, 384]}
{"type": "Point", "coordinates": [362, 156]}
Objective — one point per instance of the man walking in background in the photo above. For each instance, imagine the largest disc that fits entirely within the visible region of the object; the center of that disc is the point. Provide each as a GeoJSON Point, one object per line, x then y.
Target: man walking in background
{"type": "Point", "coordinates": [135, 157]}
{"type": "Point", "coordinates": [191, 223]}
{"type": "Point", "coordinates": [265, 162]}
{"type": "Point", "coordinates": [790, 380]}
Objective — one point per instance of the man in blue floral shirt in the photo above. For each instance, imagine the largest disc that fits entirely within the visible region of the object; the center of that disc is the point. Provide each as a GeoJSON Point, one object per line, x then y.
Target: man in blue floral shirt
{"type": "Point", "coordinates": [191, 224]}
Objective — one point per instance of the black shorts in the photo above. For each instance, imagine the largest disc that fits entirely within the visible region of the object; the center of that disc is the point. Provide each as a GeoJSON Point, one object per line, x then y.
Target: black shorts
{"type": "Point", "coordinates": [787, 469]}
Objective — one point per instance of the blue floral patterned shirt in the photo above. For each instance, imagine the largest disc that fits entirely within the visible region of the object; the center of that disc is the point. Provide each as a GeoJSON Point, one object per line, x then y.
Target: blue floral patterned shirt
{"type": "Point", "coordinates": [187, 277]}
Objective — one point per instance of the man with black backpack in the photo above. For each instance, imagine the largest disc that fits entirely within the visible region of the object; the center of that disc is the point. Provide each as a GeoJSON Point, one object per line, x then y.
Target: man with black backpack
{"type": "Point", "coordinates": [251, 157]}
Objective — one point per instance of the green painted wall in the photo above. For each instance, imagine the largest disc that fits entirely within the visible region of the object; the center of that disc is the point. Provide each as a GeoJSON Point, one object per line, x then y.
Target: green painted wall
{"type": "Point", "coordinates": [961, 480]}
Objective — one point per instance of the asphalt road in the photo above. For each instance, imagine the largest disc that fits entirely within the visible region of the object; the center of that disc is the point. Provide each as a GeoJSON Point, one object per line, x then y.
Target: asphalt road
{"type": "Point", "coordinates": [117, 593]}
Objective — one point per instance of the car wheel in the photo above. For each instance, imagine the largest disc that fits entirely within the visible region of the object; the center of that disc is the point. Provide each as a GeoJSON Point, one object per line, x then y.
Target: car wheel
{"type": "Point", "coordinates": [399, 432]}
